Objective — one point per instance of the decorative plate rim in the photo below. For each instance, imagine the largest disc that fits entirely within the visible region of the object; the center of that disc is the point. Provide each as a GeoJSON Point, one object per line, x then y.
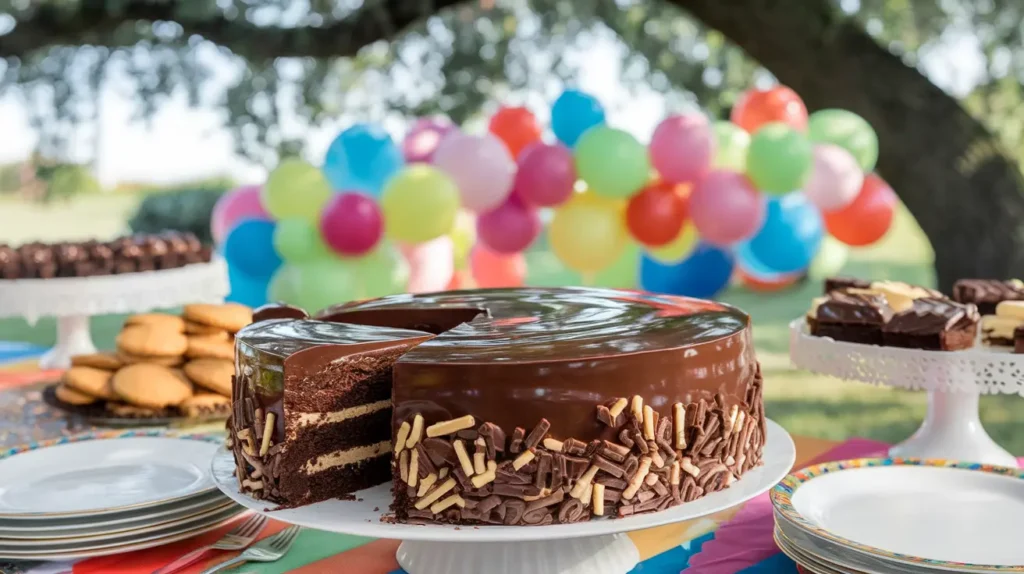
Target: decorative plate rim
{"type": "Point", "coordinates": [106, 435]}
{"type": "Point", "coordinates": [782, 499]}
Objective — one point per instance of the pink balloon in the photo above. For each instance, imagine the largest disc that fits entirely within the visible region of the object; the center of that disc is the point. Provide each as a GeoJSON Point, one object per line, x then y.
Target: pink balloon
{"type": "Point", "coordinates": [835, 180]}
{"type": "Point", "coordinates": [509, 229]}
{"type": "Point", "coordinates": [682, 147]}
{"type": "Point", "coordinates": [422, 140]}
{"type": "Point", "coordinates": [480, 166]}
{"type": "Point", "coordinates": [726, 208]}
{"type": "Point", "coordinates": [492, 269]}
{"type": "Point", "coordinates": [351, 223]}
{"type": "Point", "coordinates": [431, 265]}
{"type": "Point", "coordinates": [235, 205]}
{"type": "Point", "coordinates": [546, 175]}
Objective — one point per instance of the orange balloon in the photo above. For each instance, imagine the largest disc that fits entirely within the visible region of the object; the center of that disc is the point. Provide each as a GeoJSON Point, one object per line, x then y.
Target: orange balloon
{"type": "Point", "coordinates": [779, 104]}
{"type": "Point", "coordinates": [656, 214]}
{"type": "Point", "coordinates": [868, 218]}
{"type": "Point", "coordinates": [492, 269]}
{"type": "Point", "coordinates": [516, 127]}
{"type": "Point", "coordinates": [766, 285]}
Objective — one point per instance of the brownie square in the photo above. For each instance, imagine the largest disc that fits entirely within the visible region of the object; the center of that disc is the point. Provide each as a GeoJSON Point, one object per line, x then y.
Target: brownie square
{"type": "Point", "coordinates": [854, 318]}
{"type": "Point", "coordinates": [986, 294]}
{"type": "Point", "coordinates": [840, 283]}
{"type": "Point", "coordinates": [1018, 340]}
{"type": "Point", "coordinates": [933, 324]}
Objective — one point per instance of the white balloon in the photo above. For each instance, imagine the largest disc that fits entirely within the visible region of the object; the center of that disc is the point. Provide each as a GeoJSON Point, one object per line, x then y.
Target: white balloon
{"type": "Point", "coordinates": [835, 180]}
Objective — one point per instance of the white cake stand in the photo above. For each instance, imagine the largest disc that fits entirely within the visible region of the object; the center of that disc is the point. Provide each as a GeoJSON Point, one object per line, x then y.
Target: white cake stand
{"type": "Point", "coordinates": [73, 300]}
{"type": "Point", "coordinates": [954, 381]}
{"type": "Point", "coordinates": [594, 547]}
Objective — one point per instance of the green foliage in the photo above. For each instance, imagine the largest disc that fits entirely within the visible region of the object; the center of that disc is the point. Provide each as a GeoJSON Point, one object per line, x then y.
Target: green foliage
{"type": "Point", "coordinates": [182, 210]}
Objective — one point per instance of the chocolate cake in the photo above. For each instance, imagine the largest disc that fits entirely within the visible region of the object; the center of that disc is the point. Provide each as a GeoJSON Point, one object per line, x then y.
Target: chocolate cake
{"type": "Point", "coordinates": [933, 324]}
{"type": "Point", "coordinates": [519, 406]}
{"type": "Point", "coordinates": [849, 316]}
{"type": "Point", "coordinates": [987, 293]}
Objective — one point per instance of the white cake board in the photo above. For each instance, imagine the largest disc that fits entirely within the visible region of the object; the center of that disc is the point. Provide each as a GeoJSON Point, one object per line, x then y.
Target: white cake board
{"type": "Point", "coordinates": [72, 300]}
{"type": "Point", "coordinates": [954, 381]}
{"type": "Point", "coordinates": [593, 547]}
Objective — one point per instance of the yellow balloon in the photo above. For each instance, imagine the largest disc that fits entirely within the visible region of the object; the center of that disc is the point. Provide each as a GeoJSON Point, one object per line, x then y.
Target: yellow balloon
{"type": "Point", "coordinates": [296, 189]}
{"type": "Point", "coordinates": [419, 204]}
{"type": "Point", "coordinates": [679, 248]}
{"type": "Point", "coordinates": [589, 232]}
{"type": "Point", "coordinates": [463, 236]}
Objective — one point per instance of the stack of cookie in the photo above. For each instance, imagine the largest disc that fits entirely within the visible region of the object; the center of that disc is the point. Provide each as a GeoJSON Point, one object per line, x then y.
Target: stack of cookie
{"type": "Point", "coordinates": [164, 365]}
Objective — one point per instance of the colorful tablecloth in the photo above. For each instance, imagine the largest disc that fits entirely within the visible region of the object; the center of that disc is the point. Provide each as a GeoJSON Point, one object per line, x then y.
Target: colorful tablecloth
{"type": "Point", "coordinates": [735, 540]}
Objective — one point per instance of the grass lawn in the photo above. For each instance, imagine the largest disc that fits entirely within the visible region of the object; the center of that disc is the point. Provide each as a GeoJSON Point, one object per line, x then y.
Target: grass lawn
{"type": "Point", "coordinates": [801, 402]}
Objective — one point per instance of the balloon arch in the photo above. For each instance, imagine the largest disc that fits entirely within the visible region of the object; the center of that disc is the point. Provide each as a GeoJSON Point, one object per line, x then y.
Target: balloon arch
{"type": "Point", "coordinates": [763, 197]}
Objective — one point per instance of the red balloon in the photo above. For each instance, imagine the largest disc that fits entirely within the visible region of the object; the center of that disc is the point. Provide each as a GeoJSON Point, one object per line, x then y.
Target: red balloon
{"type": "Point", "coordinates": [492, 269]}
{"type": "Point", "coordinates": [779, 104]}
{"type": "Point", "coordinates": [868, 218]}
{"type": "Point", "coordinates": [656, 214]}
{"type": "Point", "coordinates": [351, 223]}
{"type": "Point", "coordinates": [767, 285]}
{"type": "Point", "coordinates": [510, 228]}
{"type": "Point", "coordinates": [517, 127]}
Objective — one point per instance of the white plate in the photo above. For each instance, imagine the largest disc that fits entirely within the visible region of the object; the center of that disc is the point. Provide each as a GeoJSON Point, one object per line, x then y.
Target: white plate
{"type": "Point", "coordinates": [806, 559]}
{"type": "Point", "coordinates": [938, 514]}
{"type": "Point", "coordinates": [101, 476]}
{"type": "Point", "coordinates": [120, 543]}
{"type": "Point", "coordinates": [362, 517]}
{"type": "Point", "coordinates": [13, 527]}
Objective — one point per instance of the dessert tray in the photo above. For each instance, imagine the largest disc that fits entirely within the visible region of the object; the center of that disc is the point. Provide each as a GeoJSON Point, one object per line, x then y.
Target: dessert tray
{"type": "Point", "coordinates": [593, 547]}
{"type": "Point", "coordinates": [72, 300]}
{"type": "Point", "coordinates": [954, 381]}
{"type": "Point", "coordinates": [99, 415]}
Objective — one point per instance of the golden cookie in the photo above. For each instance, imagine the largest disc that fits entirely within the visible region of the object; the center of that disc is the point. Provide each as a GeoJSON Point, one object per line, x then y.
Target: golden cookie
{"type": "Point", "coordinates": [206, 405]}
{"type": "Point", "coordinates": [210, 348]}
{"type": "Point", "coordinates": [133, 412]}
{"type": "Point", "coordinates": [90, 381]}
{"type": "Point", "coordinates": [151, 386]}
{"type": "Point", "coordinates": [130, 359]}
{"type": "Point", "coordinates": [158, 320]}
{"type": "Point", "coordinates": [66, 394]}
{"type": "Point", "coordinates": [230, 316]}
{"type": "Point", "coordinates": [192, 328]}
{"type": "Point", "coordinates": [105, 361]}
{"type": "Point", "coordinates": [213, 374]}
{"type": "Point", "coordinates": [148, 341]}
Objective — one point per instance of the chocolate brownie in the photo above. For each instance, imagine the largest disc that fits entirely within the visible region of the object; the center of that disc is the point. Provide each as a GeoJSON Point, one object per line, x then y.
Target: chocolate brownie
{"type": "Point", "coordinates": [851, 317]}
{"type": "Point", "coordinates": [987, 293]}
{"type": "Point", "coordinates": [933, 324]}
{"type": "Point", "coordinates": [840, 283]}
{"type": "Point", "coordinates": [999, 330]}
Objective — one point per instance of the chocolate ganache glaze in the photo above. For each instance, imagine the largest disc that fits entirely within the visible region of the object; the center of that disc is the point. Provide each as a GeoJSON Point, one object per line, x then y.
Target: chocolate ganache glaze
{"type": "Point", "coordinates": [514, 356]}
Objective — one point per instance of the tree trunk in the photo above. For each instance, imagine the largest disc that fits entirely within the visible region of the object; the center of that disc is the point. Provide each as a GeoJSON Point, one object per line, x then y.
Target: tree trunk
{"type": "Point", "coordinates": [951, 172]}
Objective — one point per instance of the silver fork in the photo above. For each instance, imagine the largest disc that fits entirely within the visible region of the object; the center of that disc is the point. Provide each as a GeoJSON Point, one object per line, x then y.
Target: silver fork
{"type": "Point", "coordinates": [267, 550]}
{"type": "Point", "coordinates": [240, 537]}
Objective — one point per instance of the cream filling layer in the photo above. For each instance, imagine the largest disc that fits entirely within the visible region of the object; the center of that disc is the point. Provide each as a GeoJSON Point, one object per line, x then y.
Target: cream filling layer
{"type": "Point", "coordinates": [310, 419]}
{"type": "Point", "coordinates": [348, 456]}
{"type": "Point", "coordinates": [999, 327]}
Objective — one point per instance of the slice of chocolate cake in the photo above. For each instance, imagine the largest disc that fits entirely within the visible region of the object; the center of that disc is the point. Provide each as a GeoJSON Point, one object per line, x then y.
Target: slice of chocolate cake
{"type": "Point", "coordinates": [999, 330]}
{"type": "Point", "coordinates": [851, 317]}
{"type": "Point", "coordinates": [933, 324]}
{"type": "Point", "coordinates": [987, 293]}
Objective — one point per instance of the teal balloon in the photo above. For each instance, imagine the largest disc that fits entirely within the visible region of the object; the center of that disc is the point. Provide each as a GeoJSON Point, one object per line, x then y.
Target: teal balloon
{"type": "Point", "coordinates": [848, 131]}
{"type": "Point", "coordinates": [624, 272]}
{"type": "Point", "coordinates": [545, 269]}
{"type": "Point", "coordinates": [297, 240]}
{"type": "Point", "coordinates": [284, 285]}
{"type": "Point", "coordinates": [326, 282]}
{"type": "Point", "coordinates": [383, 271]}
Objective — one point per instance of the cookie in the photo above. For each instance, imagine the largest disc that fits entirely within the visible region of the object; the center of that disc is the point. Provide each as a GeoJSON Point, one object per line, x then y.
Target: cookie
{"type": "Point", "coordinates": [210, 348]}
{"type": "Point", "coordinates": [149, 341]}
{"type": "Point", "coordinates": [151, 386]}
{"type": "Point", "coordinates": [130, 359]}
{"type": "Point", "coordinates": [230, 316]}
{"type": "Point", "coordinates": [67, 395]}
{"type": "Point", "coordinates": [158, 320]}
{"type": "Point", "coordinates": [213, 374]}
{"type": "Point", "coordinates": [193, 328]}
{"type": "Point", "coordinates": [205, 405]}
{"type": "Point", "coordinates": [90, 381]}
{"type": "Point", "coordinates": [105, 361]}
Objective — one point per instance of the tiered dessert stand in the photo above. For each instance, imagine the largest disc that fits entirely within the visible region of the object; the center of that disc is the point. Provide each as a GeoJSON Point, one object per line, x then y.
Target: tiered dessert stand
{"type": "Point", "coordinates": [73, 300]}
{"type": "Point", "coordinates": [954, 381]}
{"type": "Point", "coordinates": [592, 547]}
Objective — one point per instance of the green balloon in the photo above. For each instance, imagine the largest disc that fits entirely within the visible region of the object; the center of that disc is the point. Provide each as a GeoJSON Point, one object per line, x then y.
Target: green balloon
{"type": "Point", "coordinates": [545, 269]}
{"type": "Point", "coordinates": [779, 159]}
{"type": "Point", "coordinates": [829, 261]}
{"type": "Point", "coordinates": [383, 271]}
{"type": "Point", "coordinates": [284, 285]}
{"type": "Point", "coordinates": [328, 281]}
{"type": "Point", "coordinates": [731, 143]}
{"type": "Point", "coordinates": [419, 204]}
{"type": "Point", "coordinates": [611, 162]}
{"type": "Point", "coordinates": [848, 131]}
{"type": "Point", "coordinates": [295, 189]}
{"type": "Point", "coordinates": [622, 274]}
{"type": "Point", "coordinates": [297, 240]}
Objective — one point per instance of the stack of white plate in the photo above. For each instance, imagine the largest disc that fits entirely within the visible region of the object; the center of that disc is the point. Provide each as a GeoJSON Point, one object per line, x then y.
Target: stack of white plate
{"type": "Point", "coordinates": [107, 493]}
{"type": "Point", "coordinates": [902, 516]}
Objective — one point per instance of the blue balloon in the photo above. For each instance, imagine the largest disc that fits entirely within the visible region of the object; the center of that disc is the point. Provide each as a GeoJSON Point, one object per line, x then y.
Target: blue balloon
{"type": "Point", "coordinates": [245, 289]}
{"type": "Point", "coordinates": [791, 234]}
{"type": "Point", "coordinates": [362, 158]}
{"type": "Point", "coordinates": [573, 113]}
{"type": "Point", "coordinates": [703, 274]}
{"type": "Point", "coordinates": [754, 267]}
{"type": "Point", "coordinates": [249, 247]}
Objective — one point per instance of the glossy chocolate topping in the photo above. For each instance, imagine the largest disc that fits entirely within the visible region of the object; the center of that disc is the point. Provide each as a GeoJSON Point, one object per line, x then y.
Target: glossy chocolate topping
{"type": "Point", "coordinates": [987, 291]}
{"type": "Point", "coordinates": [932, 316]}
{"type": "Point", "coordinates": [277, 311]}
{"type": "Point", "coordinates": [858, 309]}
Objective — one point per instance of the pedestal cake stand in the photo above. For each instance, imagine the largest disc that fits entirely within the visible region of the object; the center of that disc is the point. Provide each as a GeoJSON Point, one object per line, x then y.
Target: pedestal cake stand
{"type": "Point", "coordinates": [593, 547]}
{"type": "Point", "coordinates": [954, 381]}
{"type": "Point", "coordinates": [73, 300]}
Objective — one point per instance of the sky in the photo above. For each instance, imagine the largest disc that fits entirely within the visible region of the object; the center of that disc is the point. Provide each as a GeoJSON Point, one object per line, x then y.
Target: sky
{"type": "Point", "coordinates": [182, 143]}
